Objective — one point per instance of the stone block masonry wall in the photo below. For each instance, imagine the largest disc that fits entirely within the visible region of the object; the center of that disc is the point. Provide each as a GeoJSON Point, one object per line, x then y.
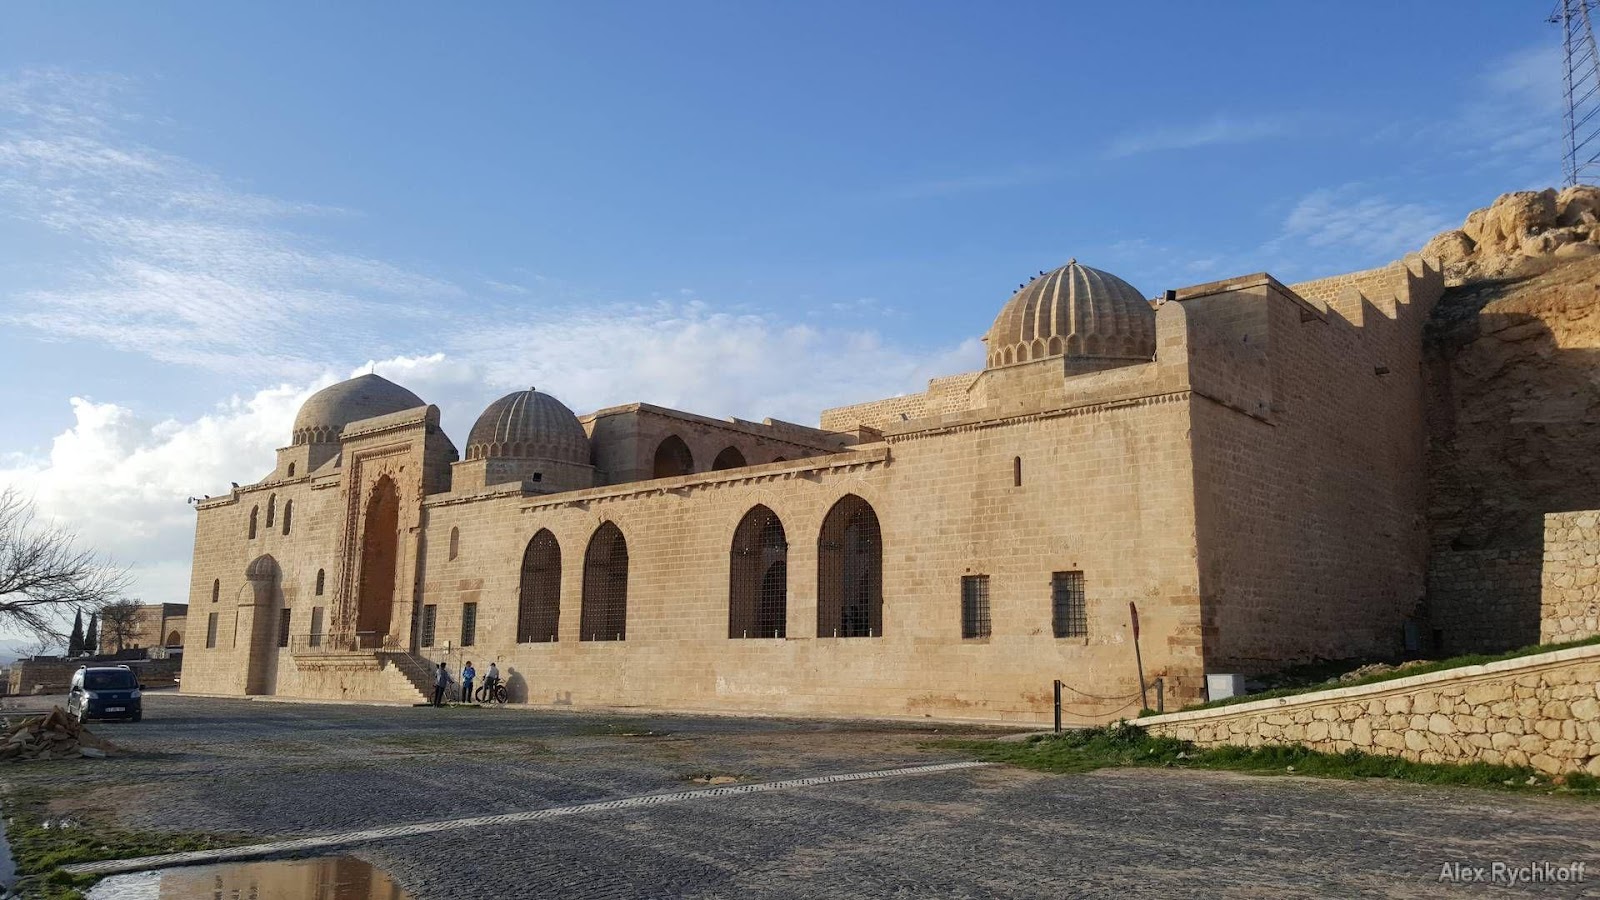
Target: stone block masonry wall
{"type": "Point", "coordinates": [1541, 711]}
{"type": "Point", "coordinates": [1309, 469]}
{"type": "Point", "coordinates": [1570, 588]}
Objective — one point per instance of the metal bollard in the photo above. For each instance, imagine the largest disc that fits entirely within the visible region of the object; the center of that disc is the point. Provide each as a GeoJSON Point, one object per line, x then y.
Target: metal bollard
{"type": "Point", "coordinates": [1058, 706]}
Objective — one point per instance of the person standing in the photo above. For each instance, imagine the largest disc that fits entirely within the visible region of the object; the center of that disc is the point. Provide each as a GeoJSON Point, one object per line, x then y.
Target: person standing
{"type": "Point", "coordinates": [441, 680]}
{"type": "Point", "coordinates": [467, 674]}
{"type": "Point", "coordinates": [491, 678]}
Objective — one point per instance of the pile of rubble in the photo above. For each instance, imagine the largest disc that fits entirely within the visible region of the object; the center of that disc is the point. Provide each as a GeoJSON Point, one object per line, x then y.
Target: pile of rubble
{"type": "Point", "coordinates": [54, 735]}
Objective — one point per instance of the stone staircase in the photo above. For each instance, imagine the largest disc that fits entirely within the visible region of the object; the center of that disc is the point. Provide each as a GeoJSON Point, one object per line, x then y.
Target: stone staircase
{"type": "Point", "coordinates": [418, 672]}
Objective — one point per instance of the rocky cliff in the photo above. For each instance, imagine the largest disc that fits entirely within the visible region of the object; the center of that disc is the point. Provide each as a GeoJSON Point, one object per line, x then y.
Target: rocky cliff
{"type": "Point", "coordinates": [1513, 351]}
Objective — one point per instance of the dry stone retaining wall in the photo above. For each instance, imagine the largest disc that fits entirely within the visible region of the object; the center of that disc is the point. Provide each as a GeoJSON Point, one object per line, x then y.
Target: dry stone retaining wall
{"type": "Point", "coordinates": [1570, 587]}
{"type": "Point", "coordinates": [1541, 711]}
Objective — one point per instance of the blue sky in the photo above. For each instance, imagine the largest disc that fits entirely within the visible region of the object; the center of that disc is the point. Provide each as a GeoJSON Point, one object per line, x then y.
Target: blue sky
{"type": "Point", "coordinates": [209, 210]}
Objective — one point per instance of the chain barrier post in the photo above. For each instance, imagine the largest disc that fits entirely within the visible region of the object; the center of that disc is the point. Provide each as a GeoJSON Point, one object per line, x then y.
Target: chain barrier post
{"type": "Point", "coordinates": [1058, 706]}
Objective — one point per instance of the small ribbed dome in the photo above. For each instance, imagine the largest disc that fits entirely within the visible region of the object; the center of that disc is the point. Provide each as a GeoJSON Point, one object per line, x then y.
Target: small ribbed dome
{"type": "Point", "coordinates": [1076, 311]}
{"type": "Point", "coordinates": [329, 410]}
{"type": "Point", "coordinates": [528, 424]}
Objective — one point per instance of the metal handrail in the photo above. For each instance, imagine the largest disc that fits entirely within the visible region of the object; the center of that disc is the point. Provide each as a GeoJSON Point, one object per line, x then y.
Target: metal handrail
{"type": "Point", "coordinates": [344, 642]}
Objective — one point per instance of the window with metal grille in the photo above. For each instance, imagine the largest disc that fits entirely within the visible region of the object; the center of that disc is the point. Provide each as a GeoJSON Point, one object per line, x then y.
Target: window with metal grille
{"type": "Point", "coordinates": [539, 596]}
{"type": "Point", "coordinates": [430, 617]}
{"type": "Point", "coordinates": [469, 624]}
{"type": "Point", "coordinates": [283, 628]}
{"type": "Point", "coordinates": [211, 631]}
{"type": "Point", "coordinates": [975, 606]}
{"type": "Point", "coordinates": [316, 626]}
{"type": "Point", "coordinates": [850, 571]}
{"type": "Point", "coordinates": [1067, 608]}
{"type": "Point", "coordinates": [758, 577]}
{"type": "Point", "coordinates": [604, 613]}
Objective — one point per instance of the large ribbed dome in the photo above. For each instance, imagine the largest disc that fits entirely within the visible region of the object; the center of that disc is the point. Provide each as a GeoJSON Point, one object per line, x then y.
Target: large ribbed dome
{"type": "Point", "coordinates": [528, 424]}
{"type": "Point", "coordinates": [1076, 311]}
{"type": "Point", "coordinates": [329, 410]}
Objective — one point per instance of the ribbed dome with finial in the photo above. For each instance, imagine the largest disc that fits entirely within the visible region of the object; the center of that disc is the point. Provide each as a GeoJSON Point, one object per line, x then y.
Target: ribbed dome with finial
{"type": "Point", "coordinates": [325, 414]}
{"type": "Point", "coordinates": [528, 424]}
{"type": "Point", "coordinates": [1074, 311]}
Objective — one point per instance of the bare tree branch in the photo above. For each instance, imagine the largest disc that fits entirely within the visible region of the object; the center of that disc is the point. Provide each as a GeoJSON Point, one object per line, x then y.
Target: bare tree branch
{"type": "Point", "coordinates": [45, 576]}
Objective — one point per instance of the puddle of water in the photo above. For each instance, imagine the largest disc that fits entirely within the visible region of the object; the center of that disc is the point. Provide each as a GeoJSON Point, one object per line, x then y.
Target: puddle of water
{"type": "Point", "coordinates": [321, 878]}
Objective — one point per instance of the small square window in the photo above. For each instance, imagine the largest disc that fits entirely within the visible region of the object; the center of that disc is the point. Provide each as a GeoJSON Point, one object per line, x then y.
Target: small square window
{"type": "Point", "coordinates": [1069, 616]}
{"type": "Point", "coordinates": [975, 606]}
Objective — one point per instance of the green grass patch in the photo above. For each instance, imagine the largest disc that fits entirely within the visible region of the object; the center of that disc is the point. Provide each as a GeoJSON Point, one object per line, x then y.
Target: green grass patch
{"type": "Point", "coordinates": [41, 844]}
{"type": "Point", "coordinates": [1126, 745]}
{"type": "Point", "coordinates": [1438, 665]}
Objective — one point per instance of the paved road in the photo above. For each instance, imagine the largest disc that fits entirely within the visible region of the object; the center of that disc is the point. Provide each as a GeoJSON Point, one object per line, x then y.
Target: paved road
{"type": "Point", "coordinates": [290, 769]}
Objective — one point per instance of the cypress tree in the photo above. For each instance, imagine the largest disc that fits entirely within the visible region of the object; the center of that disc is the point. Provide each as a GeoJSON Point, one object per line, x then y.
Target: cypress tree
{"type": "Point", "coordinates": [91, 640]}
{"type": "Point", "coordinates": [75, 643]}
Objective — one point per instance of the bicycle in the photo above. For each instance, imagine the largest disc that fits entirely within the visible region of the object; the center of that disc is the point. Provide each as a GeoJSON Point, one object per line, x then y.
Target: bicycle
{"type": "Point", "coordinates": [496, 694]}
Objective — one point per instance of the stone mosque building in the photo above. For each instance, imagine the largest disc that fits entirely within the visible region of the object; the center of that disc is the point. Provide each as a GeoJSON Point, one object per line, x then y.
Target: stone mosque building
{"type": "Point", "coordinates": [1242, 462]}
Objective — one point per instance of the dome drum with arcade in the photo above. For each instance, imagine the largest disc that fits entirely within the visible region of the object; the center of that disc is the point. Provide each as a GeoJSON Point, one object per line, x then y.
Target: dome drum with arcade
{"type": "Point", "coordinates": [529, 437]}
{"type": "Point", "coordinates": [1077, 312]}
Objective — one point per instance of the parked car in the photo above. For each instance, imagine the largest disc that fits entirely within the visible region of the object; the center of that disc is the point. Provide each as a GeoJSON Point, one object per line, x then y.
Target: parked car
{"type": "Point", "coordinates": [105, 692]}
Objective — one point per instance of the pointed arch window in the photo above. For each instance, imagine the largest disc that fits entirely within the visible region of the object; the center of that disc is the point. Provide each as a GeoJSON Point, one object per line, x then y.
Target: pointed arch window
{"type": "Point", "coordinates": [255, 512]}
{"type": "Point", "coordinates": [272, 509]}
{"type": "Point", "coordinates": [455, 542]}
{"type": "Point", "coordinates": [288, 514]}
{"type": "Point", "coordinates": [672, 458]}
{"type": "Point", "coordinates": [729, 458]}
{"type": "Point", "coordinates": [850, 571]}
{"type": "Point", "coordinates": [604, 616]}
{"type": "Point", "coordinates": [758, 577]}
{"type": "Point", "coordinates": [539, 596]}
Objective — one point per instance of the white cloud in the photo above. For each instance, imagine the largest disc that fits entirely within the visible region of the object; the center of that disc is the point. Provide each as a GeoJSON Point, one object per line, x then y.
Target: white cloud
{"type": "Point", "coordinates": [188, 270]}
{"type": "Point", "coordinates": [1217, 130]}
{"type": "Point", "coordinates": [1350, 218]}
{"type": "Point", "coordinates": [184, 268]}
{"type": "Point", "coordinates": [121, 480]}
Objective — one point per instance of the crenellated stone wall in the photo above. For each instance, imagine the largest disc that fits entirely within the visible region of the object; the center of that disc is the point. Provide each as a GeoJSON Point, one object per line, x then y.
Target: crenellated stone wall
{"type": "Point", "coordinates": [1569, 596]}
{"type": "Point", "coordinates": [1541, 711]}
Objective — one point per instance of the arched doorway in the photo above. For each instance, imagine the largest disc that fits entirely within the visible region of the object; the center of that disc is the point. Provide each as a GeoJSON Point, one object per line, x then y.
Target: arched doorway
{"type": "Point", "coordinates": [380, 555]}
{"type": "Point", "coordinates": [174, 639]}
{"type": "Point", "coordinates": [260, 605]}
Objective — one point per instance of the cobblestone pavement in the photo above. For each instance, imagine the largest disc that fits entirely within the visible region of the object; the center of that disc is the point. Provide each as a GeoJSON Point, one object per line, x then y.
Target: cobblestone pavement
{"type": "Point", "coordinates": [280, 770]}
